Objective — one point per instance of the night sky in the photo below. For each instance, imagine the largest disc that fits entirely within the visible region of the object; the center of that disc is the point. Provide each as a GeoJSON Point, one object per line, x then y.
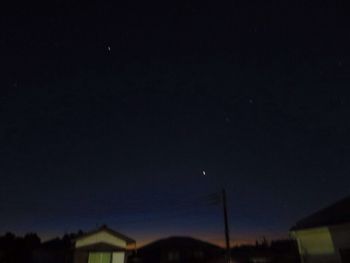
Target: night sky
{"type": "Point", "coordinates": [110, 113]}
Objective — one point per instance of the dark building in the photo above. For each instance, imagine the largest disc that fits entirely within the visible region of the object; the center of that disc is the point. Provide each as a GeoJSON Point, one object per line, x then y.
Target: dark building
{"type": "Point", "coordinates": [324, 236]}
{"type": "Point", "coordinates": [57, 250]}
{"type": "Point", "coordinates": [179, 249]}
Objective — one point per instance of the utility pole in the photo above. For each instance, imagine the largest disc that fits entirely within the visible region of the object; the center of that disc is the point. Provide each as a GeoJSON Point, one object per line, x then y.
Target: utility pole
{"type": "Point", "coordinates": [227, 232]}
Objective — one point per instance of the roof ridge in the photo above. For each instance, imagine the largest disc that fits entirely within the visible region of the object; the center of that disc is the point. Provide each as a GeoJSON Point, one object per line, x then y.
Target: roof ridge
{"type": "Point", "coordinates": [326, 216]}
{"type": "Point", "coordinates": [104, 227]}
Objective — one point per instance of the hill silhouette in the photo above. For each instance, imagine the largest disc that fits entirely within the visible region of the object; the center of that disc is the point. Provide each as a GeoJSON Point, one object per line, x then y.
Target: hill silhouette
{"type": "Point", "coordinates": [176, 249]}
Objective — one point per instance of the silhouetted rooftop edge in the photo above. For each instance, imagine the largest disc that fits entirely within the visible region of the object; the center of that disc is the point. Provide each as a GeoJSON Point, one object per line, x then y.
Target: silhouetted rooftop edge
{"type": "Point", "coordinates": [179, 240]}
{"type": "Point", "coordinates": [337, 213]}
{"type": "Point", "coordinates": [105, 228]}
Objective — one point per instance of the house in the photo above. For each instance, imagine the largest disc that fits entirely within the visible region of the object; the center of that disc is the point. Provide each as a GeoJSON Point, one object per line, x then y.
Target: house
{"type": "Point", "coordinates": [179, 249]}
{"type": "Point", "coordinates": [324, 236]}
{"type": "Point", "coordinates": [276, 251]}
{"type": "Point", "coordinates": [103, 245]}
{"type": "Point", "coordinates": [56, 250]}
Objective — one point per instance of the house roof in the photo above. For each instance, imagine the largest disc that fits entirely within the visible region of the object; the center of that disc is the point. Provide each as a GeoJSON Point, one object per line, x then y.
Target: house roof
{"type": "Point", "coordinates": [335, 214]}
{"type": "Point", "coordinates": [179, 243]}
{"type": "Point", "coordinates": [105, 228]}
{"type": "Point", "coordinates": [186, 247]}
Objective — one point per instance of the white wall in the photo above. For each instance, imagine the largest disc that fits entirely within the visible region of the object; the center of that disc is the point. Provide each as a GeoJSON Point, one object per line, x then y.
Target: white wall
{"type": "Point", "coordinates": [316, 245]}
{"type": "Point", "coordinates": [118, 257]}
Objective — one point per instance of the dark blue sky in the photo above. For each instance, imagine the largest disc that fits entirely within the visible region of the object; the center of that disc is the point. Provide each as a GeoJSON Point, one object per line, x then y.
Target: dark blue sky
{"type": "Point", "coordinates": [110, 113]}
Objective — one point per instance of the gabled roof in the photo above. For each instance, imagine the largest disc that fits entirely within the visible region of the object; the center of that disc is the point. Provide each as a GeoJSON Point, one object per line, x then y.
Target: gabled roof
{"type": "Point", "coordinates": [179, 243]}
{"type": "Point", "coordinates": [104, 228]}
{"type": "Point", "coordinates": [186, 247]}
{"type": "Point", "coordinates": [335, 214]}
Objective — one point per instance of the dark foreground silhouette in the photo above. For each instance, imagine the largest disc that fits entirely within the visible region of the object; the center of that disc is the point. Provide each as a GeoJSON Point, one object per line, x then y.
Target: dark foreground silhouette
{"type": "Point", "coordinates": [30, 249]}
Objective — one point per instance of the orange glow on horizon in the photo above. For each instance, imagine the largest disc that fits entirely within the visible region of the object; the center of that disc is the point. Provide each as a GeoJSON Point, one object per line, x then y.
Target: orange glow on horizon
{"type": "Point", "coordinates": [213, 239]}
{"type": "Point", "coordinates": [147, 238]}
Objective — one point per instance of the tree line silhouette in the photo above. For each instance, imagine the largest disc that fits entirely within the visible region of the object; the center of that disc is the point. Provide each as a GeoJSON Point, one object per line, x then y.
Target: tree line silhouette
{"type": "Point", "coordinates": [30, 248]}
